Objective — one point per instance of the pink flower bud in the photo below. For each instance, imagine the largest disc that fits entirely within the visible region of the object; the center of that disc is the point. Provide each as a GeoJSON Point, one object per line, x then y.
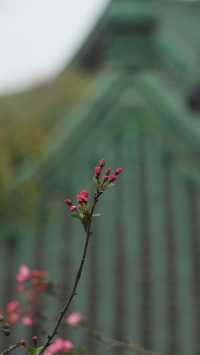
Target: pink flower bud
{"type": "Point", "coordinates": [102, 163]}
{"type": "Point", "coordinates": [82, 197]}
{"type": "Point", "coordinates": [119, 171]}
{"type": "Point", "coordinates": [73, 208]}
{"type": "Point", "coordinates": [23, 274]}
{"type": "Point", "coordinates": [108, 171]}
{"type": "Point", "coordinates": [97, 171]}
{"type": "Point", "coordinates": [105, 178]}
{"type": "Point", "coordinates": [84, 193]}
{"type": "Point", "coordinates": [68, 202]}
{"type": "Point", "coordinates": [35, 340]}
{"type": "Point", "coordinates": [112, 178]}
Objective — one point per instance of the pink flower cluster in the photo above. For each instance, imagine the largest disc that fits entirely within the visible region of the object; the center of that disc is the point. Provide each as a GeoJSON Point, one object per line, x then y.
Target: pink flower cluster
{"type": "Point", "coordinates": [30, 283]}
{"type": "Point", "coordinates": [82, 198]}
{"type": "Point", "coordinates": [59, 345]}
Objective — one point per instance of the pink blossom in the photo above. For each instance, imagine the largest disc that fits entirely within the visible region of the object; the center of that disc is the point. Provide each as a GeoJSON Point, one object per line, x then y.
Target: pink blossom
{"type": "Point", "coordinates": [74, 319]}
{"type": "Point", "coordinates": [68, 202]}
{"type": "Point", "coordinates": [112, 178]}
{"type": "Point", "coordinates": [102, 162]}
{"type": "Point", "coordinates": [119, 171]}
{"type": "Point", "coordinates": [13, 306]}
{"type": "Point", "coordinates": [105, 178]}
{"type": "Point", "coordinates": [67, 346]}
{"type": "Point", "coordinates": [82, 197]}
{"type": "Point", "coordinates": [108, 171]}
{"type": "Point", "coordinates": [13, 311]}
{"type": "Point", "coordinates": [59, 345]}
{"type": "Point", "coordinates": [73, 208]}
{"type": "Point", "coordinates": [13, 317]}
{"type": "Point", "coordinates": [24, 274]}
{"type": "Point", "coordinates": [97, 171]}
{"type": "Point", "coordinates": [27, 321]}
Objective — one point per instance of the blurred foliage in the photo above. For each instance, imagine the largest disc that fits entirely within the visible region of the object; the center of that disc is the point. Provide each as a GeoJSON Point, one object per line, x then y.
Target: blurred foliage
{"type": "Point", "coordinates": [26, 121]}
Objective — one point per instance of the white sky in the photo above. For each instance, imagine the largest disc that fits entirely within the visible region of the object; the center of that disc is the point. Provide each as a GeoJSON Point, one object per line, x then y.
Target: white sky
{"type": "Point", "coordinates": [39, 37]}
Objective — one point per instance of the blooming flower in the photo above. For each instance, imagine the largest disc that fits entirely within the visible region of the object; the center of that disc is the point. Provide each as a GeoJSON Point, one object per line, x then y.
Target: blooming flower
{"type": "Point", "coordinates": [74, 319]}
{"type": "Point", "coordinates": [59, 345]}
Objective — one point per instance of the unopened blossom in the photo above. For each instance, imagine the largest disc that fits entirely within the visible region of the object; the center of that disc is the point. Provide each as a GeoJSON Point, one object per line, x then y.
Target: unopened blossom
{"type": "Point", "coordinates": [108, 171]}
{"type": "Point", "coordinates": [119, 171]}
{"type": "Point", "coordinates": [23, 274]}
{"type": "Point", "coordinates": [27, 321]}
{"type": "Point", "coordinates": [74, 319]}
{"type": "Point", "coordinates": [68, 202]}
{"type": "Point", "coordinates": [35, 340]}
{"type": "Point", "coordinates": [112, 178]}
{"type": "Point", "coordinates": [102, 163]}
{"type": "Point", "coordinates": [82, 197]}
{"type": "Point", "coordinates": [73, 208]}
{"type": "Point", "coordinates": [97, 171]}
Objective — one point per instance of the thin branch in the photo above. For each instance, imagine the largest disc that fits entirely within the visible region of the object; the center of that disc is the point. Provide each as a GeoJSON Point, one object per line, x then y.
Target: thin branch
{"type": "Point", "coordinates": [62, 313]}
{"type": "Point", "coordinates": [118, 343]}
{"type": "Point", "coordinates": [12, 347]}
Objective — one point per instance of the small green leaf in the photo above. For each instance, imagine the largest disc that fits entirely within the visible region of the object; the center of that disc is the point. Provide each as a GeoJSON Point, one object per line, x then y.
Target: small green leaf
{"type": "Point", "coordinates": [77, 216]}
{"type": "Point", "coordinates": [34, 351]}
{"type": "Point", "coordinates": [94, 179]}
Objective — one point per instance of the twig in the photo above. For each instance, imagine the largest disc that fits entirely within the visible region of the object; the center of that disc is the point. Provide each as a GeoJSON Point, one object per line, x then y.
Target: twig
{"type": "Point", "coordinates": [12, 347]}
{"type": "Point", "coordinates": [77, 278]}
{"type": "Point", "coordinates": [118, 343]}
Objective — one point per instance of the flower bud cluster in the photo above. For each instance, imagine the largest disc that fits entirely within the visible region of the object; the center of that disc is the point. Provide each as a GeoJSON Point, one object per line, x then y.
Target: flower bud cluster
{"type": "Point", "coordinates": [30, 284]}
{"type": "Point", "coordinates": [83, 209]}
{"type": "Point", "coordinates": [106, 178]}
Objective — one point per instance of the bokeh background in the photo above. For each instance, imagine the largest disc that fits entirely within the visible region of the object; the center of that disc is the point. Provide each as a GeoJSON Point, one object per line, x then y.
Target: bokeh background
{"type": "Point", "coordinates": [129, 94]}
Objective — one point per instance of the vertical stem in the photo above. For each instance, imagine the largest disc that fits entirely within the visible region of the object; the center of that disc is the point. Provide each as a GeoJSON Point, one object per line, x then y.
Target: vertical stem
{"type": "Point", "coordinates": [77, 278]}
